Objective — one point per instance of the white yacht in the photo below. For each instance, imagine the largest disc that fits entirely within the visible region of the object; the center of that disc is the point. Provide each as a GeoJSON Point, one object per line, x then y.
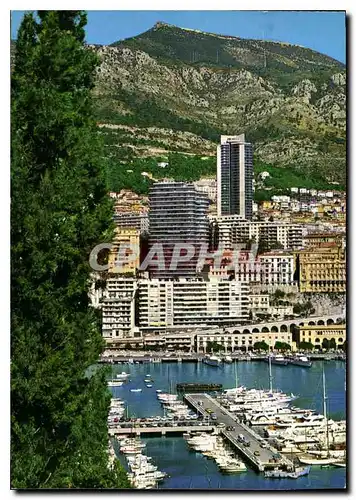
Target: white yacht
{"type": "Point", "coordinates": [212, 360]}
{"type": "Point", "coordinates": [115, 383]}
{"type": "Point", "coordinates": [228, 359]}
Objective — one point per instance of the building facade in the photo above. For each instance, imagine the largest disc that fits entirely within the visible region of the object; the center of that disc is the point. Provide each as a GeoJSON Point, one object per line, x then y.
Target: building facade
{"type": "Point", "coordinates": [322, 269]}
{"type": "Point", "coordinates": [245, 342]}
{"type": "Point", "coordinates": [277, 268]}
{"type": "Point", "coordinates": [271, 268]}
{"type": "Point", "coordinates": [177, 215]}
{"type": "Point", "coordinates": [235, 176]}
{"type": "Point", "coordinates": [234, 231]}
{"type": "Point", "coordinates": [118, 308]}
{"type": "Point", "coordinates": [124, 256]}
{"type": "Point", "coordinates": [165, 304]}
{"type": "Point", "coordinates": [316, 334]}
{"type": "Point", "coordinates": [207, 186]}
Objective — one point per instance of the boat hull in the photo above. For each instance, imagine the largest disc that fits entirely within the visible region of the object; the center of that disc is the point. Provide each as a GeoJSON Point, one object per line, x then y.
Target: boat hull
{"type": "Point", "coordinates": [304, 364]}
{"type": "Point", "coordinates": [212, 362]}
{"type": "Point", "coordinates": [316, 461]}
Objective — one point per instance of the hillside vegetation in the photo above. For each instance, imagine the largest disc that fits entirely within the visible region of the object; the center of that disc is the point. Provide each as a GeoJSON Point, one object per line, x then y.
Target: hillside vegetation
{"type": "Point", "coordinates": [176, 90]}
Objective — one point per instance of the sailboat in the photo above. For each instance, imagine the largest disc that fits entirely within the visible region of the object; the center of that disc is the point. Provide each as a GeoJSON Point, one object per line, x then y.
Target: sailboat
{"type": "Point", "coordinates": [328, 460]}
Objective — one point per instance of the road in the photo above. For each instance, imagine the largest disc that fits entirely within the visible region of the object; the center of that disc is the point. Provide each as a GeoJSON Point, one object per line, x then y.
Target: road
{"type": "Point", "coordinates": [223, 415]}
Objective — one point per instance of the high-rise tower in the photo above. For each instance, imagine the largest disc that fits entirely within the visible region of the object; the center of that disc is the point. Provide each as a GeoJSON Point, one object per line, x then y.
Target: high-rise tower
{"type": "Point", "coordinates": [177, 215]}
{"type": "Point", "coordinates": [235, 176]}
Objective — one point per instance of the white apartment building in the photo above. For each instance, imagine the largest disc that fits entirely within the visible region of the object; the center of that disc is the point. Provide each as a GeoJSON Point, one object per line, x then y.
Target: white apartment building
{"type": "Point", "coordinates": [234, 231]}
{"type": "Point", "coordinates": [277, 268]}
{"type": "Point", "coordinates": [260, 304]}
{"type": "Point", "coordinates": [165, 304]}
{"type": "Point", "coordinates": [118, 308]}
{"type": "Point", "coordinates": [271, 268]}
{"type": "Point", "coordinates": [207, 186]}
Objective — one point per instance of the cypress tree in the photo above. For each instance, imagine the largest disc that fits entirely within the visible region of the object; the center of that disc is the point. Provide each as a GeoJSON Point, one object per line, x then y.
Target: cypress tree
{"type": "Point", "coordinates": [59, 211]}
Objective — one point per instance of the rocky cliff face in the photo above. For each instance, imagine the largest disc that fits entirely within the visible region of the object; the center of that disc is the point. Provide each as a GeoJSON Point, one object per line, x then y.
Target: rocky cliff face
{"type": "Point", "coordinates": [290, 101]}
{"type": "Point", "coordinates": [175, 89]}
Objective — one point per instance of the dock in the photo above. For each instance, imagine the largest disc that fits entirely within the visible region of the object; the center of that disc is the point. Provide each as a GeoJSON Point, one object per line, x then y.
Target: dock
{"type": "Point", "coordinates": [268, 457]}
{"type": "Point", "coordinates": [162, 429]}
{"type": "Point", "coordinates": [198, 387]}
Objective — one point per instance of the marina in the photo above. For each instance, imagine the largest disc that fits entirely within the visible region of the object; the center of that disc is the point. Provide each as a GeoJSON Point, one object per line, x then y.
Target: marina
{"type": "Point", "coordinates": [178, 425]}
{"type": "Point", "coordinates": [144, 357]}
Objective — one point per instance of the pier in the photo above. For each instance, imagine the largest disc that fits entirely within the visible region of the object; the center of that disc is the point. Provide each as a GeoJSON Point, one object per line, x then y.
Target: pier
{"type": "Point", "coordinates": [198, 387]}
{"type": "Point", "coordinates": [161, 428]}
{"type": "Point", "coordinates": [267, 458]}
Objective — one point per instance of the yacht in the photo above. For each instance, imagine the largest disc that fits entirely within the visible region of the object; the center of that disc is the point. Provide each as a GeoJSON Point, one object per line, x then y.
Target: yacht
{"type": "Point", "coordinates": [301, 361]}
{"type": "Point", "coordinates": [277, 359]}
{"type": "Point", "coordinates": [122, 376]}
{"type": "Point", "coordinates": [228, 359]}
{"type": "Point", "coordinates": [212, 360]}
{"type": "Point", "coordinates": [317, 461]}
{"type": "Point", "coordinates": [281, 474]}
{"type": "Point", "coordinates": [115, 383]}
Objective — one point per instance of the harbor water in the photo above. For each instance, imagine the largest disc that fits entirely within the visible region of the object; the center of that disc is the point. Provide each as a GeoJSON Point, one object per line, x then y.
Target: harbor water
{"type": "Point", "coordinates": [188, 469]}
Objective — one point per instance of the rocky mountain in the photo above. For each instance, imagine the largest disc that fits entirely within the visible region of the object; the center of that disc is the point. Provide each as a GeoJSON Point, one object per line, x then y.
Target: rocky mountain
{"type": "Point", "coordinates": [289, 100]}
{"type": "Point", "coordinates": [176, 90]}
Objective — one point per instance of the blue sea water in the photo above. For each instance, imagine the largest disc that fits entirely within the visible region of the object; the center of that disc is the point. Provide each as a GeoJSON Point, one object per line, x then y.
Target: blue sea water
{"type": "Point", "coordinates": [190, 470]}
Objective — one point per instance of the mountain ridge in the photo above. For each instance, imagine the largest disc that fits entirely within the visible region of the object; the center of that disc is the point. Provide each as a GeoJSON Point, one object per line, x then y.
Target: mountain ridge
{"type": "Point", "coordinates": [293, 110]}
{"type": "Point", "coordinates": [177, 90]}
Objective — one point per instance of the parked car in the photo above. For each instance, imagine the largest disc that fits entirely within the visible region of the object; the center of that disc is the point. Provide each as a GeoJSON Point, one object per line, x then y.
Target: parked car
{"type": "Point", "coordinates": [256, 453]}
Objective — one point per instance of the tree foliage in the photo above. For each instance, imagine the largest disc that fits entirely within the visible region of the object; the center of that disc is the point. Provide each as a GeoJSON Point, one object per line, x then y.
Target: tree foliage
{"type": "Point", "coordinates": [282, 346]}
{"type": "Point", "coordinates": [213, 346]}
{"type": "Point", "coordinates": [306, 346]}
{"type": "Point", "coordinates": [261, 346]}
{"type": "Point", "coordinates": [59, 212]}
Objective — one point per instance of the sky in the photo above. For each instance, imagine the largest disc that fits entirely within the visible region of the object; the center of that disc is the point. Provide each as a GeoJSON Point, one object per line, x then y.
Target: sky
{"type": "Point", "coordinates": [324, 32]}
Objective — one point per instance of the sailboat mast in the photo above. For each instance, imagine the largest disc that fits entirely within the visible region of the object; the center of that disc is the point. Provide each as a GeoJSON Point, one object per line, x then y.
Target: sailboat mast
{"type": "Point", "coordinates": [270, 373]}
{"type": "Point", "coordinates": [325, 412]}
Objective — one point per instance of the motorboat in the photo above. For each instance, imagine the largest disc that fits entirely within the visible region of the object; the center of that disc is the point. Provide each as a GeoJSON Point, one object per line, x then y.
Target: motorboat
{"type": "Point", "coordinates": [277, 359]}
{"type": "Point", "coordinates": [212, 361]}
{"type": "Point", "coordinates": [303, 361]}
{"type": "Point", "coordinates": [231, 467]}
{"type": "Point", "coordinates": [228, 359]}
{"type": "Point", "coordinates": [115, 383]}
{"type": "Point", "coordinates": [281, 474]}
{"type": "Point", "coordinates": [135, 390]}
{"type": "Point", "coordinates": [122, 376]}
{"type": "Point", "coordinates": [149, 385]}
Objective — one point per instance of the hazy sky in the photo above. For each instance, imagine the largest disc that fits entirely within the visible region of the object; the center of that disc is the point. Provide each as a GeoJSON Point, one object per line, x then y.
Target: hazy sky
{"type": "Point", "coordinates": [321, 31]}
